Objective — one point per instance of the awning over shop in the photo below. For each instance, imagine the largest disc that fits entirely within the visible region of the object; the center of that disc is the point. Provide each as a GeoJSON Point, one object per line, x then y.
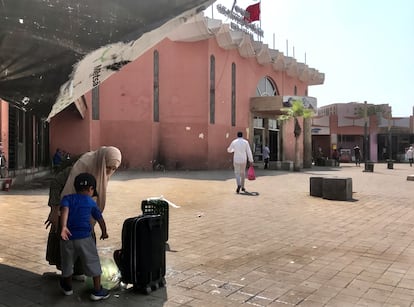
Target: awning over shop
{"type": "Point", "coordinates": [55, 51]}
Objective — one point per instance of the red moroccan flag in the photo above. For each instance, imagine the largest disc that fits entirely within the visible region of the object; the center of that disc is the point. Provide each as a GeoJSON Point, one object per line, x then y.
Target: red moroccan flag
{"type": "Point", "coordinates": [254, 12]}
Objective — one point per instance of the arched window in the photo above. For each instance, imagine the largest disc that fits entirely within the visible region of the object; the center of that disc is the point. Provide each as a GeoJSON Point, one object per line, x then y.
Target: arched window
{"type": "Point", "coordinates": [266, 87]}
{"type": "Point", "coordinates": [95, 103]}
{"type": "Point", "coordinates": [156, 101]}
{"type": "Point", "coordinates": [233, 94]}
{"type": "Point", "coordinates": [212, 89]}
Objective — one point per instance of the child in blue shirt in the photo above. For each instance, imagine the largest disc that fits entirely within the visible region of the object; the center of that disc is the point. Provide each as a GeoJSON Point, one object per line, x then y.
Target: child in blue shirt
{"type": "Point", "coordinates": [76, 234]}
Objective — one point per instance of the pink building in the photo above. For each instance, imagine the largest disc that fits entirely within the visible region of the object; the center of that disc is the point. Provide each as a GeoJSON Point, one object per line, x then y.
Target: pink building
{"type": "Point", "coordinates": [4, 126]}
{"type": "Point", "coordinates": [182, 102]}
{"type": "Point", "coordinates": [342, 126]}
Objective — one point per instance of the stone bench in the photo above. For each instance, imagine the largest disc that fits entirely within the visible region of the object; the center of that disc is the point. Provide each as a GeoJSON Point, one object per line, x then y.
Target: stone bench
{"type": "Point", "coordinates": [369, 166]}
{"type": "Point", "coordinates": [287, 165]}
{"type": "Point", "coordinates": [276, 165]}
{"type": "Point", "coordinates": [281, 165]}
{"type": "Point", "coordinates": [332, 188]}
{"type": "Point", "coordinates": [330, 162]}
{"type": "Point", "coordinates": [316, 186]}
{"type": "Point", "coordinates": [5, 184]}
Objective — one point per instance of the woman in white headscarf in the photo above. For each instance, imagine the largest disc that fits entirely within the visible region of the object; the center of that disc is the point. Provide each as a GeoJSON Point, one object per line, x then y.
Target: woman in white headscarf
{"type": "Point", "coordinates": [101, 163]}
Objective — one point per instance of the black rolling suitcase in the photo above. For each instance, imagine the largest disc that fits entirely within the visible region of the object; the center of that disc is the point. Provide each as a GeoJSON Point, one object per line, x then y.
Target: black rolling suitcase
{"type": "Point", "coordinates": [157, 206]}
{"type": "Point", "coordinates": [141, 260]}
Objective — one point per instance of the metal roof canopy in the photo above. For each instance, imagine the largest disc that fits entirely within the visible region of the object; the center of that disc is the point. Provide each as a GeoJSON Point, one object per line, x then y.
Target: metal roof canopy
{"type": "Point", "coordinates": [43, 42]}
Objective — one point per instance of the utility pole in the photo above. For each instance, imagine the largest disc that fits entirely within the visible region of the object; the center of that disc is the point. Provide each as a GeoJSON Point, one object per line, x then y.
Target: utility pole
{"type": "Point", "coordinates": [365, 132]}
{"type": "Point", "coordinates": [389, 137]}
{"type": "Point", "coordinates": [390, 161]}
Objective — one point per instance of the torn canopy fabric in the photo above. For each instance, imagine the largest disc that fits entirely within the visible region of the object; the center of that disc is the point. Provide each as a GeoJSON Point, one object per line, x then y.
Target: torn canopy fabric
{"type": "Point", "coordinates": [55, 51]}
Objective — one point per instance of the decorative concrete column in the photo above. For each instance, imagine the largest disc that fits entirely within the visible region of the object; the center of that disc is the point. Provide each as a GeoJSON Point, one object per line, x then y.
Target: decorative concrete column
{"type": "Point", "coordinates": [307, 142]}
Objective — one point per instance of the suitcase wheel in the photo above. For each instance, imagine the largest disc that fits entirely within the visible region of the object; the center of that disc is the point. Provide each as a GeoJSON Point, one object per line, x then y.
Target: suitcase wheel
{"type": "Point", "coordinates": [147, 290]}
{"type": "Point", "coordinates": [123, 285]}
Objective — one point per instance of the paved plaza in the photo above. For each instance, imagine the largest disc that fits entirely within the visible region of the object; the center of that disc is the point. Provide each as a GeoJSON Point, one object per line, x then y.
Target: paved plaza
{"type": "Point", "coordinates": [280, 248]}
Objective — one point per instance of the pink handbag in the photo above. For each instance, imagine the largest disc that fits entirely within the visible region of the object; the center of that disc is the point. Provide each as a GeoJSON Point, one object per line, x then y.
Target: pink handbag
{"type": "Point", "coordinates": [250, 173]}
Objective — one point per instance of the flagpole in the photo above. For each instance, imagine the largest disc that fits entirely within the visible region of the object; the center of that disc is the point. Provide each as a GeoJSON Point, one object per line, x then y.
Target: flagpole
{"type": "Point", "coordinates": [260, 17]}
{"type": "Point", "coordinates": [287, 48]}
{"type": "Point", "coordinates": [233, 6]}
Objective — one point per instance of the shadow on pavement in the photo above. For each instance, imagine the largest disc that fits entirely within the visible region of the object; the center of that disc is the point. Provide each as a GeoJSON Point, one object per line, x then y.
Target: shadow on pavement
{"type": "Point", "coordinates": [37, 186]}
{"type": "Point", "coordinates": [23, 288]}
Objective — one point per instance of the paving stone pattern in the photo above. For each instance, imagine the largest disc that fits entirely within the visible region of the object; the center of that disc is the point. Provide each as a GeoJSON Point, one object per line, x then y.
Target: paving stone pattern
{"type": "Point", "coordinates": [280, 248]}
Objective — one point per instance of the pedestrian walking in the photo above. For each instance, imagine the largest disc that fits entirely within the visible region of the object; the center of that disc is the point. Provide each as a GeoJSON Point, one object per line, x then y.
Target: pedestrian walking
{"type": "Point", "coordinates": [410, 155]}
{"type": "Point", "coordinates": [241, 154]}
{"type": "Point", "coordinates": [266, 156]}
{"type": "Point", "coordinates": [357, 153]}
{"type": "Point", "coordinates": [3, 164]}
{"type": "Point", "coordinates": [335, 157]}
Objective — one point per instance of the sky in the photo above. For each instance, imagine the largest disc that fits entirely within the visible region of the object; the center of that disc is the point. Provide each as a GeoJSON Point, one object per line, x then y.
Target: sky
{"type": "Point", "coordinates": [365, 48]}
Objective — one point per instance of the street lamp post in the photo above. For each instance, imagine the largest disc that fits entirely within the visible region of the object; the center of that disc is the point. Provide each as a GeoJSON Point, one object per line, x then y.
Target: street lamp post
{"type": "Point", "coordinates": [369, 166]}
{"type": "Point", "coordinates": [390, 160]}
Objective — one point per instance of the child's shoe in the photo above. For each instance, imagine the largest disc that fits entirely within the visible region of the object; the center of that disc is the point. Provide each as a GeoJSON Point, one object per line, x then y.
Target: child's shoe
{"type": "Point", "coordinates": [102, 294]}
{"type": "Point", "coordinates": [65, 288]}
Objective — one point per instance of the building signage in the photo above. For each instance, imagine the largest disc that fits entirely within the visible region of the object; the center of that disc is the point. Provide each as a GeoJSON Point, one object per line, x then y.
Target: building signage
{"type": "Point", "coordinates": [320, 130]}
{"type": "Point", "coordinates": [239, 20]}
{"type": "Point", "coordinates": [308, 102]}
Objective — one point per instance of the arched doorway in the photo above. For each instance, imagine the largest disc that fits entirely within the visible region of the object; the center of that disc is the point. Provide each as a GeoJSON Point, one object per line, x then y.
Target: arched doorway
{"type": "Point", "coordinates": [266, 130]}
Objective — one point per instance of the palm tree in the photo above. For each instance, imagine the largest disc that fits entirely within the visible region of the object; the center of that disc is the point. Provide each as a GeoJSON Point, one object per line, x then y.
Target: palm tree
{"type": "Point", "coordinates": [366, 111]}
{"type": "Point", "coordinates": [295, 111]}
